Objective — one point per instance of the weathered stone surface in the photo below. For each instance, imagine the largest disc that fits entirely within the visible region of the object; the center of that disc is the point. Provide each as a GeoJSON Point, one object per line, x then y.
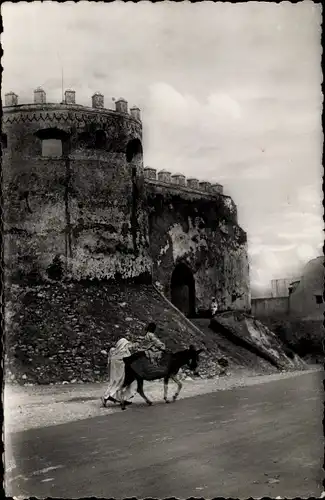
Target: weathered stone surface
{"type": "Point", "coordinates": [246, 331]}
{"type": "Point", "coordinates": [203, 234]}
{"type": "Point", "coordinates": [88, 213]}
{"type": "Point", "coordinates": [64, 355]}
{"type": "Point", "coordinates": [81, 225]}
{"type": "Point", "coordinates": [84, 207]}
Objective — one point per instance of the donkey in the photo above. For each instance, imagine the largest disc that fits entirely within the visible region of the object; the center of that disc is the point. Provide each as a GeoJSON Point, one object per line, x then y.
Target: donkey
{"type": "Point", "coordinates": [138, 368]}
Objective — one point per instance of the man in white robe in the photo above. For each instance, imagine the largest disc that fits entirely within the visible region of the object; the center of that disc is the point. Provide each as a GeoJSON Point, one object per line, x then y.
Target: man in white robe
{"type": "Point", "coordinates": [116, 370]}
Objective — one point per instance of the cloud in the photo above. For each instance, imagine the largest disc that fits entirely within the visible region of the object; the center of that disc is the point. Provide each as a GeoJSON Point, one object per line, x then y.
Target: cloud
{"type": "Point", "coordinates": [309, 195]}
{"type": "Point", "coordinates": [223, 104]}
{"type": "Point", "coordinates": [258, 249]}
{"type": "Point", "coordinates": [306, 252]}
{"type": "Point", "coordinates": [262, 172]}
{"type": "Point", "coordinates": [169, 106]}
{"type": "Point", "coordinates": [100, 75]}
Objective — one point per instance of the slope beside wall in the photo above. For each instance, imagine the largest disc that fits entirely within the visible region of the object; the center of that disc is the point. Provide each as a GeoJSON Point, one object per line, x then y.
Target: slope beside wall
{"type": "Point", "coordinates": [57, 332]}
{"type": "Point", "coordinates": [247, 332]}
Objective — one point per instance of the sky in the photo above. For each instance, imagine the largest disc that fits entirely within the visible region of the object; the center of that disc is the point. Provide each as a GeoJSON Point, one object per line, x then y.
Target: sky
{"type": "Point", "coordinates": [229, 93]}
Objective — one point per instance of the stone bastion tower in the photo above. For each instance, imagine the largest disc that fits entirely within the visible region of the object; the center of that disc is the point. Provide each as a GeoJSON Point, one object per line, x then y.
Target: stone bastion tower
{"type": "Point", "coordinates": [74, 190]}
{"type": "Point", "coordinates": [80, 206]}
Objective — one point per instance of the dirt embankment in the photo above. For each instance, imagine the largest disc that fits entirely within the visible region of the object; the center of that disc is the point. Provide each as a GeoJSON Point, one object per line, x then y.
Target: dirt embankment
{"type": "Point", "coordinates": [57, 333]}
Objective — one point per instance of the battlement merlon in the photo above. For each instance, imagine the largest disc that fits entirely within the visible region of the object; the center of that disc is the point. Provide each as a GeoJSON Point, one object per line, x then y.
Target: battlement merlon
{"type": "Point", "coordinates": [97, 102]}
{"type": "Point", "coordinates": [177, 183]}
{"type": "Point", "coordinates": [179, 179]}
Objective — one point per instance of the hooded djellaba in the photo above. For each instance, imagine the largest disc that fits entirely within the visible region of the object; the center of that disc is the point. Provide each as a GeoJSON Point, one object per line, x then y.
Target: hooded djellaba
{"type": "Point", "coordinates": [116, 370]}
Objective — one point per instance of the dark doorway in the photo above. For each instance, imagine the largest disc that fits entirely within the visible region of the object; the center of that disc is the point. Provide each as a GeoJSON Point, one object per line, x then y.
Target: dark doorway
{"type": "Point", "coordinates": [183, 289]}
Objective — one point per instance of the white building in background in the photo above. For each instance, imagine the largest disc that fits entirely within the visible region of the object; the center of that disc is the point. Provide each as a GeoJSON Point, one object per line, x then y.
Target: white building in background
{"type": "Point", "coordinates": [297, 298]}
{"type": "Point", "coordinates": [280, 287]}
{"type": "Point", "coordinates": [306, 300]}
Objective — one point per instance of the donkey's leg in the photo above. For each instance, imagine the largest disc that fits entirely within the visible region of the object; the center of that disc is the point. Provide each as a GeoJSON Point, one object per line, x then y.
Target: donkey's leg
{"type": "Point", "coordinates": [166, 389]}
{"type": "Point", "coordinates": [142, 394]}
{"type": "Point", "coordinates": [129, 378]}
{"type": "Point", "coordinates": [179, 386]}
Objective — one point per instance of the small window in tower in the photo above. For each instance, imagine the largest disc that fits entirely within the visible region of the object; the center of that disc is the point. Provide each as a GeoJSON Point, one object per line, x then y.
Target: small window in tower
{"type": "Point", "coordinates": [52, 148]}
{"type": "Point", "coordinates": [319, 299]}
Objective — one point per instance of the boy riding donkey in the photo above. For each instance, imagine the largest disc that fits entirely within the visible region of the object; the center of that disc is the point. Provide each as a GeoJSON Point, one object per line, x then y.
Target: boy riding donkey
{"type": "Point", "coordinates": [151, 345]}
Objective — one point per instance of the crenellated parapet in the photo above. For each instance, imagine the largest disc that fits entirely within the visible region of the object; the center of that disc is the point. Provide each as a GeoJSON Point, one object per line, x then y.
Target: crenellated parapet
{"type": "Point", "coordinates": [165, 177]}
{"type": "Point", "coordinates": [83, 130]}
{"type": "Point", "coordinates": [166, 183]}
{"type": "Point", "coordinates": [97, 103]}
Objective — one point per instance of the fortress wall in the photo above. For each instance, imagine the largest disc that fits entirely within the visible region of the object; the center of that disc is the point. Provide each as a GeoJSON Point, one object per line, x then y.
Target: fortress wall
{"type": "Point", "coordinates": [200, 230]}
{"type": "Point", "coordinates": [108, 220]}
{"type": "Point", "coordinates": [91, 209]}
{"type": "Point", "coordinates": [34, 217]}
{"type": "Point", "coordinates": [80, 205]}
{"type": "Point", "coordinates": [191, 184]}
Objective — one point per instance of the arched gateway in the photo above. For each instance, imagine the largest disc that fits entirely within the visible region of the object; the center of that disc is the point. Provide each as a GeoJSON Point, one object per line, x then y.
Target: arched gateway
{"type": "Point", "coordinates": [183, 289]}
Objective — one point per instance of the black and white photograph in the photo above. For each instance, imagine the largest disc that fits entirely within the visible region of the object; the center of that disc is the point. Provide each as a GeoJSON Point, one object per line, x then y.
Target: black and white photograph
{"type": "Point", "coordinates": [163, 265]}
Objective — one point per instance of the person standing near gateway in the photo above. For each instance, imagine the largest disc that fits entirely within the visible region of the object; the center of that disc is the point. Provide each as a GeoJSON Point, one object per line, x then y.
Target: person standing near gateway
{"type": "Point", "coordinates": [116, 370]}
{"type": "Point", "coordinates": [213, 307]}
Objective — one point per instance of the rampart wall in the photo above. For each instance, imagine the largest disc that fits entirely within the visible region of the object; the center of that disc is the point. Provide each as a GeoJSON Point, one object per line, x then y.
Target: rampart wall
{"type": "Point", "coordinates": [194, 229]}
{"type": "Point", "coordinates": [80, 205]}
{"type": "Point", "coordinates": [83, 217]}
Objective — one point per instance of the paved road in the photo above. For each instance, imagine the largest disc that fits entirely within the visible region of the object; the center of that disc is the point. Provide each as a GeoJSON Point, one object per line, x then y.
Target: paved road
{"type": "Point", "coordinates": [264, 440]}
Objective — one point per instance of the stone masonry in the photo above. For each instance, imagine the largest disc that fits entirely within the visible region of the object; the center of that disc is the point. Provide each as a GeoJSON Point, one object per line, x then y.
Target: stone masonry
{"type": "Point", "coordinates": [89, 210]}
{"type": "Point", "coordinates": [80, 208]}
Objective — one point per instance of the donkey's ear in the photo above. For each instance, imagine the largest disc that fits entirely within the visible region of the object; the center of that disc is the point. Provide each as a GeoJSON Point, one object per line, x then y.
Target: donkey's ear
{"type": "Point", "coordinates": [192, 348]}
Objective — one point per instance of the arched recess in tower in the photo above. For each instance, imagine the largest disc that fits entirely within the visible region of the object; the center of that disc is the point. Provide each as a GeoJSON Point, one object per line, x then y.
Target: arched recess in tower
{"type": "Point", "coordinates": [182, 287]}
{"type": "Point", "coordinates": [134, 152]}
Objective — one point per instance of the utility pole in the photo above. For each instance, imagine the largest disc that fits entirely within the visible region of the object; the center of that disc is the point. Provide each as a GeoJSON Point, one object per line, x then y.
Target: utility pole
{"type": "Point", "coordinates": [62, 94]}
{"type": "Point", "coordinates": [62, 83]}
